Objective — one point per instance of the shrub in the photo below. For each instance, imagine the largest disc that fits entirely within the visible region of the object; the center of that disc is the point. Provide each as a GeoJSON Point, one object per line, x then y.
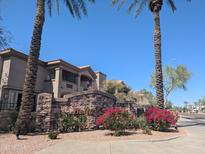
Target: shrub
{"type": "Point", "coordinates": [72, 122]}
{"type": "Point", "coordinates": [147, 130]}
{"type": "Point", "coordinates": [115, 119]}
{"type": "Point", "coordinates": [160, 119]}
{"type": "Point", "coordinates": [53, 135]}
{"type": "Point", "coordinates": [140, 123]}
{"type": "Point", "coordinates": [7, 120]}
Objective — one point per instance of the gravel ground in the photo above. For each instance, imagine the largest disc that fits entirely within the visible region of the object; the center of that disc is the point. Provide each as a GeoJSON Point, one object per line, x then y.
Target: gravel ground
{"type": "Point", "coordinates": [31, 143]}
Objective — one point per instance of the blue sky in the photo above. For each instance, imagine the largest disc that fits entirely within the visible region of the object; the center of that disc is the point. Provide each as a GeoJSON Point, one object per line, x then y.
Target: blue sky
{"type": "Point", "coordinates": [116, 43]}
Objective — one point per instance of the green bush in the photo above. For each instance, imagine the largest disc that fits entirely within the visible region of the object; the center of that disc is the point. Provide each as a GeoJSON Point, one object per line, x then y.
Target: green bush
{"type": "Point", "coordinates": [140, 123]}
{"type": "Point", "coordinates": [72, 122]}
{"type": "Point", "coordinates": [7, 120]}
{"type": "Point", "coordinates": [147, 130]}
{"type": "Point", "coordinates": [53, 135]}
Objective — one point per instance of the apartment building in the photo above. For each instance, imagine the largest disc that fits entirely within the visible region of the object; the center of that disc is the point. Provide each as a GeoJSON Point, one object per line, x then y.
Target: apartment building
{"type": "Point", "coordinates": [57, 76]}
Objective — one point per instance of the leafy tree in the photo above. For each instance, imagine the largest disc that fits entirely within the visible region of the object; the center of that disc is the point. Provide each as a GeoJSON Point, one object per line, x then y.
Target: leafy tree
{"type": "Point", "coordinates": [177, 108]}
{"type": "Point", "coordinates": [174, 78]}
{"type": "Point", "coordinates": [169, 105]}
{"type": "Point", "coordinates": [185, 108]}
{"type": "Point", "coordinates": [117, 88]}
{"type": "Point", "coordinates": [200, 102]}
{"type": "Point", "coordinates": [148, 95]}
{"type": "Point", "coordinates": [155, 7]}
{"type": "Point", "coordinates": [186, 103]}
{"type": "Point", "coordinates": [76, 8]}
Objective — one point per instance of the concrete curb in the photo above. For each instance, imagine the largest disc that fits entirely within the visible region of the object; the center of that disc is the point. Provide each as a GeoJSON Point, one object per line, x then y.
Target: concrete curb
{"type": "Point", "coordinates": [151, 140]}
{"type": "Point", "coordinates": [142, 141]}
{"type": "Point", "coordinates": [158, 140]}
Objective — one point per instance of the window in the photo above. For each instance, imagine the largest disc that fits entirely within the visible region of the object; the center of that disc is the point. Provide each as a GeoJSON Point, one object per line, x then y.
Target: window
{"type": "Point", "coordinates": [69, 76]}
{"type": "Point", "coordinates": [69, 86]}
{"type": "Point", "coordinates": [51, 74]}
{"type": "Point", "coordinates": [18, 101]}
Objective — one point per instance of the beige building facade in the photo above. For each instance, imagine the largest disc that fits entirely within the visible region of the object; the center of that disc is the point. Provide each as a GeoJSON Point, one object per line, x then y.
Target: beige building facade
{"type": "Point", "coordinates": [57, 76]}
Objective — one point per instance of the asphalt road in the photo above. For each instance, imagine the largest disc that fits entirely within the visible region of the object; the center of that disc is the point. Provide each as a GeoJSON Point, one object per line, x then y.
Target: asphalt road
{"type": "Point", "coordinates": [193, 143]}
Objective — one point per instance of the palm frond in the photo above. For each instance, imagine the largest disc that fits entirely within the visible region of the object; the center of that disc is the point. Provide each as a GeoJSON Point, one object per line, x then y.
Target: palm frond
{"type": "Point", "coordinates": [75, 7]}
{"type": "Point", "coordinates": [82, 6]}
{"type": "Point", "coordinates": [132, 5]}
{"type": "Point", "coordinates": [92, 1]}
{"type": "Point", "coordinates": [69, 6]}
{"type": "Point", "coordinates": [140, 8]}
{"type": "Point", "coordinates": [115, 2]}
{"type": "Point", "coordinates": [172, 5]}
{"type": "Point", "coordinates": [57, 7]}
{"type": "Point", "coordinates": [49, 4]}
{"type": "Point", "coordinates": [139, 5]}
{"type": "Point", "coordinates": [121, 4]}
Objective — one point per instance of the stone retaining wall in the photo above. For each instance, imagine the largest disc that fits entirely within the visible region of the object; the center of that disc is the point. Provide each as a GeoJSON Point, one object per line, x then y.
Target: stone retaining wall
{"type": "Point", "coordinates": [44, 112]}
{"type": "Point", "coordinates": [92, 103]}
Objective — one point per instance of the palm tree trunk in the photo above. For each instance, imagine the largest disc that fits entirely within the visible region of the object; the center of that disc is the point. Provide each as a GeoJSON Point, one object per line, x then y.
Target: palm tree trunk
{"type": "Point", "coordinates": [158, 59]}
{"type": "Point", "coordinates": [31, 69]}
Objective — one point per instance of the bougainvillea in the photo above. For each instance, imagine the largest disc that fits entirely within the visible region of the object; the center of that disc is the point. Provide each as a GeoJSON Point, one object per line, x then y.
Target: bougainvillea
{"type": "Point", "coordinates": [160, 119]}
{"type": "Point", "coordinates": [100, 120]}
{"type": "Point", "coordinates": [115, 119]}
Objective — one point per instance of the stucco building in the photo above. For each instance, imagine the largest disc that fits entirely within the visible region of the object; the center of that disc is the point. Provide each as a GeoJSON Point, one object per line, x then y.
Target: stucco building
{"type": "Point", "coordinates": [57, 76]}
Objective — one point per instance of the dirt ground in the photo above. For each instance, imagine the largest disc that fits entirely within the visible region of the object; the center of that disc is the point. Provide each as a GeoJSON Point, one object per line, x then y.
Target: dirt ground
{"type": "Point", "coordinates": [32, 143]}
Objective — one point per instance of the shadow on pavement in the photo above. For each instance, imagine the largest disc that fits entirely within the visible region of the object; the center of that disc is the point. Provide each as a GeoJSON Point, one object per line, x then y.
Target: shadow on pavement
{"type": "Point", "coordinates": [191, 122]}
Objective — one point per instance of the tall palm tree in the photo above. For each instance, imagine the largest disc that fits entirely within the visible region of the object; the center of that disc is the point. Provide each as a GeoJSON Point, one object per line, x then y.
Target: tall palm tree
{"type": "Point", "coordinates": [155, 7]}
{"type": "Point", "coordinates": [76, 8]}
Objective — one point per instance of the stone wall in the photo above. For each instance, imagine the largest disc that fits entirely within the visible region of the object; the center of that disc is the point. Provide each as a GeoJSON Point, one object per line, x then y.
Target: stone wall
{"type": "Point", "coordinates": [44, 112]}
{"type": "Point", "coordinates": [92, 103]}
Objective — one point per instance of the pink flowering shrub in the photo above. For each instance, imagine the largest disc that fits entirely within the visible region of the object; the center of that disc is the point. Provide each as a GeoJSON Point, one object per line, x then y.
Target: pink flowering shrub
{"type": "Point", "coordinates": [160, 119]}
{"type": "Point", "coordinates": [115, 119]}
{"type": "Point", "coordinates": [100, 120]}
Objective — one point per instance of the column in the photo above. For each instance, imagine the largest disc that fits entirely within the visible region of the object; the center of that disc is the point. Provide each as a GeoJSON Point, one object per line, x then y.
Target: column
{"type": "Point", "coordinates": [79, 88]}
{"type": "Point", "coordinates": [58, 82]}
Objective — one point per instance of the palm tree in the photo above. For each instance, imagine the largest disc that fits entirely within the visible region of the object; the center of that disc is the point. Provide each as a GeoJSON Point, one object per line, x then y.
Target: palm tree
{"type": "Point", "coordinates": [155, 7]}
{"type": "Point", "coordinates": [76, 8]}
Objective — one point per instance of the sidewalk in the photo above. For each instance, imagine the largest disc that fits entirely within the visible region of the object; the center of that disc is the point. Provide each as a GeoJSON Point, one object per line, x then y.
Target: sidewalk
{"type": "Point", "coordinates": [194, 143]}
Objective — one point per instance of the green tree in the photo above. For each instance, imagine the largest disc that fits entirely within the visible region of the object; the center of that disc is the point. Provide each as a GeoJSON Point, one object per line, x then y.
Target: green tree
{"type": "Point", "coordinates": [186, 105]}
{"type": "Point", "coordinates": [174, 78]}
{"type": "Point", "coordinates": [200, 102]}
{"type": "Point", "coordinates": [117, 88]}
{"type": "Point", "coordinates": [76, 8]}
{"type": "Point", "coordinates": [149, 96]}
{"type": "Point", "coordinates": [155, 7]}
